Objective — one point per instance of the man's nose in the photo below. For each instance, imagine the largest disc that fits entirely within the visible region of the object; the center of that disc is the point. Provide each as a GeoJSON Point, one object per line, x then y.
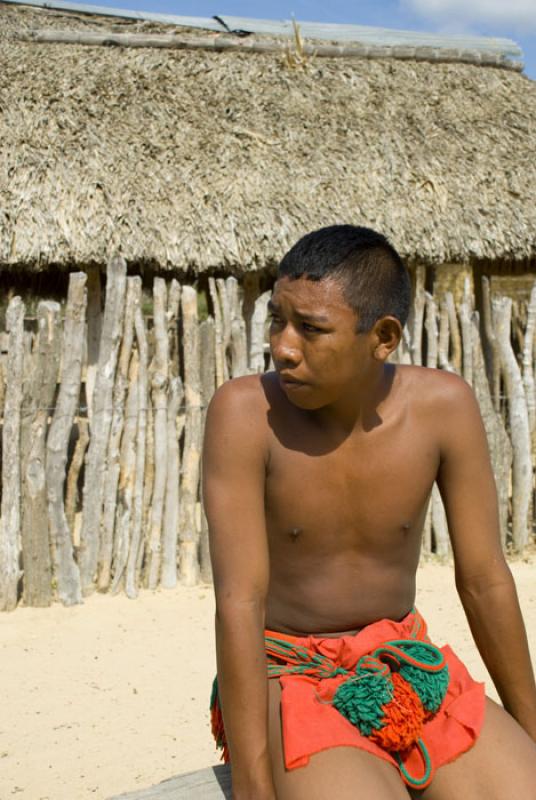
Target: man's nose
{"type": "Point", "coordinates": [285, 348]}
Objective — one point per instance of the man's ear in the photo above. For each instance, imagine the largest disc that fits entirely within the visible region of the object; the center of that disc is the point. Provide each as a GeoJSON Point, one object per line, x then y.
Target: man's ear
{"type": "Point", "coordinates": [387, 333]}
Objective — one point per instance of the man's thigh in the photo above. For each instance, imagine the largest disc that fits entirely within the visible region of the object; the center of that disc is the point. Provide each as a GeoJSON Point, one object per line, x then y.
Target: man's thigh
{"type": "Point", "coordinates": [500, 766]}
{"type": "Point", "coordinates": [344, 773]}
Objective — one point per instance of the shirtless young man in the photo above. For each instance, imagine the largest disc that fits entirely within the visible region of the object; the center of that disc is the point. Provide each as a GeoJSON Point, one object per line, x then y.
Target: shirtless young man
{"type": "Point", "coordinates": [316, 482]}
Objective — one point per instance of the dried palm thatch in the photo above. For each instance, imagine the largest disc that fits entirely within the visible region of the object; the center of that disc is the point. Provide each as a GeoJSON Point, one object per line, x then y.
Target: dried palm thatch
{"type": "Point", "coordinates": [192, 160]}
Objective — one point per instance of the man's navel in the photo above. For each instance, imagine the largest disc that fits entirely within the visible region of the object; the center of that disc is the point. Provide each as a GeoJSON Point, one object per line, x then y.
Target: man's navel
{"type": "Point", "coordinates": [294, 533]}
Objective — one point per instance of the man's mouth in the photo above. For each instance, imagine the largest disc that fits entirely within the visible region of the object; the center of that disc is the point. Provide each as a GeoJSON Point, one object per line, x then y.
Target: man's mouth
{"type": "Point", "coordinates": [290, 380]}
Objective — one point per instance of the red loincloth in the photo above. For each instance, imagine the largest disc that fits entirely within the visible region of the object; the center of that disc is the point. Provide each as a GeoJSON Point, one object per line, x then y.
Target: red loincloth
{"type": "Point", "coordinates": [310, 724]}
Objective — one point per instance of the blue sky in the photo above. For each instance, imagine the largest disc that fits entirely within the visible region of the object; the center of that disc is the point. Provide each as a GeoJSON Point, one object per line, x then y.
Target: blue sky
{"type": "Point", "coordinates": [514, 19]}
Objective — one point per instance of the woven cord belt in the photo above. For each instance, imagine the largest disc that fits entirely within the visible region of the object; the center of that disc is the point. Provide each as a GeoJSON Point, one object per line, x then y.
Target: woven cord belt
{"type": "Point", "coordinates": [389, 695]}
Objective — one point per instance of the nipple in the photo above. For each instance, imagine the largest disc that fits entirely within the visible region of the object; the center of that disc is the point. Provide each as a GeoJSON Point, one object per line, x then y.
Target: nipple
{"type": "Point", "coordinates": [294, 533]}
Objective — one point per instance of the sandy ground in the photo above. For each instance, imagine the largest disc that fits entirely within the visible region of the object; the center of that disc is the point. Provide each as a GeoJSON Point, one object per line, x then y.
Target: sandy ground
{"type": "Point", "coordinates": [112, 695]}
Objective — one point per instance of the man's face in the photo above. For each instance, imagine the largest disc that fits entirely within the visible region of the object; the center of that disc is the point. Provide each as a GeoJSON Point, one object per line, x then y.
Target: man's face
{"type": "Point", "coordinates": [313, 341]}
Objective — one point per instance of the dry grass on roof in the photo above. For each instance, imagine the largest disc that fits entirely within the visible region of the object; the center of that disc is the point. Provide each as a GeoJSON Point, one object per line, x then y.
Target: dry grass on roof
{"type": "Point", "coordinates": [190, 160]}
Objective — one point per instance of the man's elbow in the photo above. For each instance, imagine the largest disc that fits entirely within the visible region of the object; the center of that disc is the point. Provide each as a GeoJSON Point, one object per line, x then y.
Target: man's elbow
{"type": "Point", "coordinates": [235, 607]}
{"type": "Point", "coordinates": [491, 579]}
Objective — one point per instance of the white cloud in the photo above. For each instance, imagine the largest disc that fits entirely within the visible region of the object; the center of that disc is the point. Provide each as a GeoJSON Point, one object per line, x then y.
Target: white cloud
{"type": "Point", "coordinates": [507, 14]}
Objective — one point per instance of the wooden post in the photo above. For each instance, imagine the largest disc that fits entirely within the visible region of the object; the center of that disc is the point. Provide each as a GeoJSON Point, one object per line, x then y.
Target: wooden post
{"type": "Point", "coordinates": [94, 331]}
{"type": "Point", "coordinates": [444, 337]}
{"type": "Point", "coordinates": [499, 443]}
{"type": "Point", "coordinates": [464, 313]}
{"type": "Point", "coordinates": [402, 354]}
{"type": "Point", "coordinates": [491, 346]}
{"type": "Point", "coordinates": [171, 512]}
{"type": "Point", "coordinates": [65, 569]}
{"type": "Point", "coordinates": [455, 337]}
{"type": "Point", "coordinates": [10, 521]}
{"type": "Point", "coordinates": [39, 395]}
{"type": "Point", "coordinates": [133, 300]}
{"type": "Point", "coordinates": [221, 375]}
{"type": "Point", "coordinates": [258, 320]}
{"type": "Point", "coordinates": [148, 486]}
{"type": "Point", "coordinates": [528, 367]}
{"type": "Point", "coordinates": [225, 294]}
{"type": "Point", "coordinates": [251, 290]}
{"type": "Point", "coordinates": [159, 381]}
{"type": "Point", "coordinates": [172, 317]}
{"type": "Point", "coordinates": [206, 339]}
{"type": "Point", "coordinates": [208, 360]}
{"type": "Point", "coordinates": [102, 419]}
{"type": "Point", "coordinates": [431, 331]}
{"type": "Point", "coordinates": [71, 492]}
{"type": "Point", "coordinates": [135, 554]}
{"type": "Point", "coordinates": [127, 477]}
{"type": "Point", "coordinates": [418, 315]}
{"type": "Point", "coordinates": [189, 538]}
{"type": "Point", "coordinates": [519, 423]}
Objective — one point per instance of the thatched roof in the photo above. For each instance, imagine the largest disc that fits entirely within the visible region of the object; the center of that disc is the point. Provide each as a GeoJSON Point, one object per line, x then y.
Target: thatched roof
{"type": "Point", "coordinates": [194, 160]}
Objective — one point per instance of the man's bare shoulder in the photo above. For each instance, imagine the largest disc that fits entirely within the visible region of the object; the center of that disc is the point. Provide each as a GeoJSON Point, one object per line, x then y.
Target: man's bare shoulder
{"type": "Point", "coordinates": [442, 401]}
{"type": "Point", "coordinates": [436, 389]}
{"type": "Point", "coordinates": [239, 406]}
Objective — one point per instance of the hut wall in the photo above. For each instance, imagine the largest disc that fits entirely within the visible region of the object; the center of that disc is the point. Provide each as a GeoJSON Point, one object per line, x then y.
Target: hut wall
{"type": "Point", "coordinates": [120, 414]}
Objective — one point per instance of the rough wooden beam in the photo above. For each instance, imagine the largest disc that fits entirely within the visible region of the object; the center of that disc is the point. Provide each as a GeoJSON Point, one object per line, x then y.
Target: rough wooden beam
{"type": "Point", "coordinates": [228, 43]}
{"type": "Point", "coordinates": [66, 571]}
{"type": "Point", "coordinates": [213, 783]}
{"type": "Point", "coordinates": [112, 328]}
{"type": "Point", "coordinates": [10, 521]}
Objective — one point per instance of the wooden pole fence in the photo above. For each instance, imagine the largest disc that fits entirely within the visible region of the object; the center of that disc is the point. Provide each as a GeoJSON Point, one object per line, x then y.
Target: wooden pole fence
{"type": "Point", "coordinates": [110, 499]}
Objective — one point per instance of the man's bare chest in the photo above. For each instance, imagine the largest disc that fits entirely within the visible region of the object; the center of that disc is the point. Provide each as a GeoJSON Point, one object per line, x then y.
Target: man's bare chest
{"type": "Point", "coordinates": [366, 489]}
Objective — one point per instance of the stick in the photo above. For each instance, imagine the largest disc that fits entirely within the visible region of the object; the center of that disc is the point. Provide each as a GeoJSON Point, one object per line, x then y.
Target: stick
{"type": "Point", "coordinates": [94, 331]}
{"type": "Point", "coordinates": [464, 313]}
{"type": "Point", "coordinates": [431, 330]}
{"type": "Point", "coordinates": [418, 315]}
{"type": "Point", "coordinates": [455, 338]}
{"type": "Point", "coordinates": [159, 382]}
{"type": "Point", "coordinates": [444, 334]}
{"type": "Point", "coordinates": [258, 321]}
{"type": "Point", "coordinates": [172, 317]}
{"type": "Point", "coordinates": [37, 589]}
{"type": "Point", "coordinates": [127, 477]}
{"type": "Point", "coordinates": [491, 346]}
{"type": "Point", "coordinates": [71, 493]}
{"type": "Point", "coordinates": [135, 554]}
{"type": "Point", "coordinates": [102, 420]}
{"type": "Point", "coordinates": [132, 302]}
{"type": "Point", "coordinates": [65, 569]}
{"type": "Point", "coordinates": [218, 333]}
{"type": "Point", "coordinates": [189, 538]}
{"type": "Point", "coordinates": [10, 521]}
{"type": "Point", "coordinates": [519, 423]}
{"type": "Point", "coordinates": [500, 447]}
{"type": "Point", "coordinates": [224, 43]}
{"type": "Point", "coordinates": [171, 513]}
{"type": "Point", "coordinates": [528, 367]}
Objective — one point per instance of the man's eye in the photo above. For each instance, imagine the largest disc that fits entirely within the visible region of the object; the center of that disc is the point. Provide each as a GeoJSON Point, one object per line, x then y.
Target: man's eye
{"type": "Point", "coordinates": [311, 328]}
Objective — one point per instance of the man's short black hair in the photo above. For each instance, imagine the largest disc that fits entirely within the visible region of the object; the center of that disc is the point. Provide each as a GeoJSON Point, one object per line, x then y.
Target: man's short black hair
{"type": "Point", "coordinates": [373, 277]}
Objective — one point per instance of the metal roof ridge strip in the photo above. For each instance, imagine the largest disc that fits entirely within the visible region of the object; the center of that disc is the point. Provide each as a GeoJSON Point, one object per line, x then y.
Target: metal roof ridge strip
{"type": "Point", "coordinates": [107, 11]}
{"type": "Point", "coordinates": [365, 34]}
{"type": "Point", "coordinates": [359, 34]}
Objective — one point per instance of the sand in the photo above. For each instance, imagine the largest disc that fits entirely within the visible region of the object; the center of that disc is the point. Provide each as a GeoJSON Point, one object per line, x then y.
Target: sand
{"type": "Point", "coordinates": [112, 695]}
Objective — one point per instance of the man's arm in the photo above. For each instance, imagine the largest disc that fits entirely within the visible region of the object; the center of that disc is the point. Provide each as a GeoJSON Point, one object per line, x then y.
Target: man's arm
{"type": "Point", "coordinates": [234, 459]}
{"type": "Point", "coordinates": [483, 578]}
